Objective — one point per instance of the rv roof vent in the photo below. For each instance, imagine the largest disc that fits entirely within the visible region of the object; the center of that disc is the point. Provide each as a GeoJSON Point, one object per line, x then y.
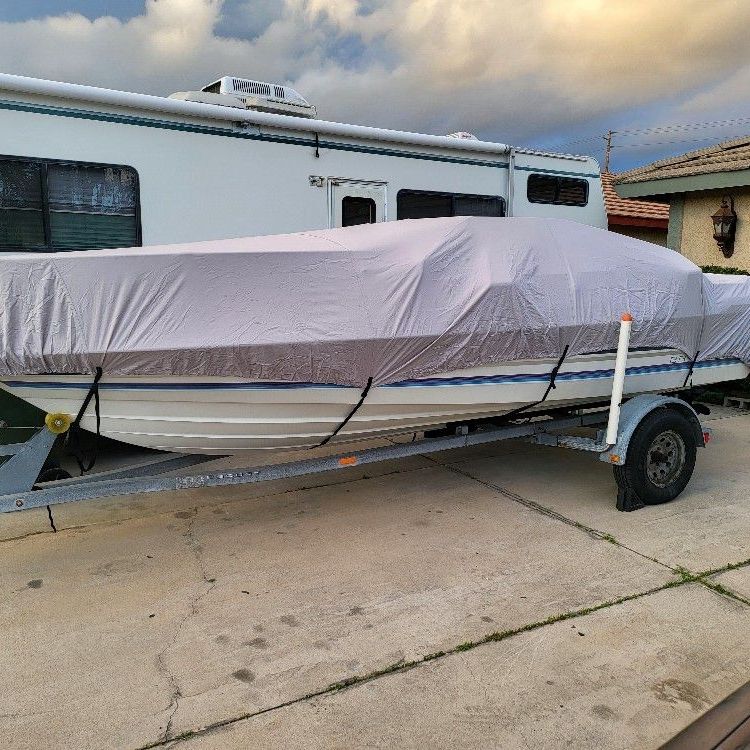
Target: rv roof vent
{"type": "Point", "coordinates": [240, 86]}
{"type": "Point", "coordinates": [261, 96]}
{"type": "Point", "coordinates": [463, 135]}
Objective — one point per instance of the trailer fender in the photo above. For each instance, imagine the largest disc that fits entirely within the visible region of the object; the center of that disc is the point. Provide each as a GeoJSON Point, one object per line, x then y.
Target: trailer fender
{"type": "Point", "coordinates": [635, 410]}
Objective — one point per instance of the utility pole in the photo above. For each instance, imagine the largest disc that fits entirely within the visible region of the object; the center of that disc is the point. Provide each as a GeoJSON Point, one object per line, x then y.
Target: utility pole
{"type": "Point", "coordinates": [608, 139]}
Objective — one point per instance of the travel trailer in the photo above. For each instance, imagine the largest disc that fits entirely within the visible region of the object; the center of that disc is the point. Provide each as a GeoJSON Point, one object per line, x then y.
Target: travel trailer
{"type": "Point", "coordinates": [84, 167]}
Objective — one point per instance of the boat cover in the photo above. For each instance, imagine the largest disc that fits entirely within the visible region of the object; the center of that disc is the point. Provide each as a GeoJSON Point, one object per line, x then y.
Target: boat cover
{"type": "Point", "coordinates": [392, 301]}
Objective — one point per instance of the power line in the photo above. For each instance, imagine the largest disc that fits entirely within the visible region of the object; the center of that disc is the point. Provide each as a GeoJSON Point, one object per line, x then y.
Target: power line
{"type": "Point", "coordinates": [685, 126]}
{"type": "Point", "coordinates": [582, 140]}
{"type": "Point", "coordinates": [658, 129]}
{"type": "Point", "coordinates": [643, 144]}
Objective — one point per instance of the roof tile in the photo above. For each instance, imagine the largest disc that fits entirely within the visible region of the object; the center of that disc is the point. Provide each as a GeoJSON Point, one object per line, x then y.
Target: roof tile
{"type": "Point", "coordinates": [729, 156]}
{"type": "Point", "coordinates": [636, 209]}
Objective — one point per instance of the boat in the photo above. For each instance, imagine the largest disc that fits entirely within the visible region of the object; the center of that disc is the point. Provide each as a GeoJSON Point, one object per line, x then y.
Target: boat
{"type": "Point", "coordinates": [229, 415]}
{"type": "Point", "coordinates": [292, 341]}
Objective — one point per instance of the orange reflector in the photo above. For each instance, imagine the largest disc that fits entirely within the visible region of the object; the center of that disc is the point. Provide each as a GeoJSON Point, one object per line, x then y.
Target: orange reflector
{"type": "Point", "coordinates": [627, 317]}
{"type": "Point", "coordinates": [348, 460]}
{"type": "Point", "coordinates": [614, 459]}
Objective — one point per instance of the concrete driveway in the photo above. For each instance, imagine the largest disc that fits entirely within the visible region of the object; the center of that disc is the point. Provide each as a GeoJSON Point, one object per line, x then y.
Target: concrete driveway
{"type": "Point", "coordinates": [487, 597]}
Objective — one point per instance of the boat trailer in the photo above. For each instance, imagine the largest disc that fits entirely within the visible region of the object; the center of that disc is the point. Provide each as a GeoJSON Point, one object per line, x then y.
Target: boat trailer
{"type": "Point", "coordinates": [650, 441]}
{"type": "Point", "coordinates": [18, 475]}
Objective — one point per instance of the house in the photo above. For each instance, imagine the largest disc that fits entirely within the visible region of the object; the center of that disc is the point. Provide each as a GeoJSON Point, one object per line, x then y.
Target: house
{"type": "Point", "coordinates": [644, 220]}
{"type": "Point", "coordinates": [709, 201]}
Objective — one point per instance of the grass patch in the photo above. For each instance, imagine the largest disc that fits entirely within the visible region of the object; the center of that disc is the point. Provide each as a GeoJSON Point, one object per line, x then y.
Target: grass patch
{"type": "Point", "coordinates": [726, 568]}
{"type": "Point", "coordinates": [686, 576]}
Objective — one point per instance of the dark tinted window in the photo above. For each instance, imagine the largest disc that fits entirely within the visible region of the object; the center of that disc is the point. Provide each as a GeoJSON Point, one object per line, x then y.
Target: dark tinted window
{"type": "Point", "coordinates": [21, 205]}
{"type": "Point", "coordinates": [477, 205]}
{"type": "Point", "coordinates": [561, 191]}
{"type": "Point", "coordinates": [355, 210]}
{"type": "Point", "coordinates": [425, 204]}
{"type": "Point", "coordinates": [46, 205]}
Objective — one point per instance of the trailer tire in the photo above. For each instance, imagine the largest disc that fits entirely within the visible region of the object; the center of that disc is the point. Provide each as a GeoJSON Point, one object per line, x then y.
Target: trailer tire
{"type": "Point", "coordinates": [660, 459]}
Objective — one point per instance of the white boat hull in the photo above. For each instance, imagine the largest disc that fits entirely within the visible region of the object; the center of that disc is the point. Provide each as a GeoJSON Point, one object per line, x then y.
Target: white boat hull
{"type": "Point", "coordinates": [228, 415]}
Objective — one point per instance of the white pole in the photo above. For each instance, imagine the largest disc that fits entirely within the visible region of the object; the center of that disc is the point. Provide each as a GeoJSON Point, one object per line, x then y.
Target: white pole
{"type": "Point", "coordinates": [619, 380]}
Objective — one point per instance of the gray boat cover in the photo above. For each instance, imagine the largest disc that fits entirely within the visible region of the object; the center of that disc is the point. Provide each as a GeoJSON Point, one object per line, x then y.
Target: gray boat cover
{"type": "Point", "coordinates": [392, 301]}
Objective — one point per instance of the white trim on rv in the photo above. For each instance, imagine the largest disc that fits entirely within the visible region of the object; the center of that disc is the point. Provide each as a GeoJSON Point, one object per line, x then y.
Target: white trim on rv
{"type": "Point", "coordinates": [148, 102]}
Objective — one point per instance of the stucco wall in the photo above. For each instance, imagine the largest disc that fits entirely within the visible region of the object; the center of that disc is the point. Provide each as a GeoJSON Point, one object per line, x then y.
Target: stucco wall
{"type": "Point", "coordinates": [657, 236]}
{"type": "Point", "coordinates": [697, 242]}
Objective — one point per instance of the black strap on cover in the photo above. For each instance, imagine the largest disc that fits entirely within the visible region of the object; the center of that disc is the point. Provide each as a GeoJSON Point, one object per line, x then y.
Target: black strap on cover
{"type": "Point", "coordinates": [75, 427]}
{"type": "Point", "coordinates": [317, 146]}
{"type": "Point", "coordinates": [690, 371]}
{"type": "Point", "coordinates": [550, 387]}
{"type": "Point", "coordinates": [553, 375]}
{"type": "Point", "coordinates": [349, 415]}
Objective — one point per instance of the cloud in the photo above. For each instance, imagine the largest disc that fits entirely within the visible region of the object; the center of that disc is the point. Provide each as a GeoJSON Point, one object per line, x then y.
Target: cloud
{"type": "Point", "coordinates": [506, 69]}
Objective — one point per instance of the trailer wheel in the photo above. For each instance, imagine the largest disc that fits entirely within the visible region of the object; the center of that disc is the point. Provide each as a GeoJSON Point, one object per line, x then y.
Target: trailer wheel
{"type": "Point", "coordinates": [660, 459]}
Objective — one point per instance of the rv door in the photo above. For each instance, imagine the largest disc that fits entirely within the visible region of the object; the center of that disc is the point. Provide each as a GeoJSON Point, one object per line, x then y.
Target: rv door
{"type": "Point", "coordinates": [356, 202]}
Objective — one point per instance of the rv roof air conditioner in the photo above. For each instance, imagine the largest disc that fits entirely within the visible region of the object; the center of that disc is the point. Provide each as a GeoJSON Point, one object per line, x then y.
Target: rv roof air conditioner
{"type": "Point", "coordinates": [248, 94]}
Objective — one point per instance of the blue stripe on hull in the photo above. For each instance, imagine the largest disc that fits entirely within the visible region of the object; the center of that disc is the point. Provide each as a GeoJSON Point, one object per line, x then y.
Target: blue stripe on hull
{"type": "Point", "coordinates": [543, 377]}
{"type": "Point", "coordinates": [417, 383]}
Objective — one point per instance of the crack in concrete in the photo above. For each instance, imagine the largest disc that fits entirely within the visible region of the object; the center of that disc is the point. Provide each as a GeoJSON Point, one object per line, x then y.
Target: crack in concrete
{"type": "Point", "coordinates": [727, 568]}
{"type": "Point", "coordinates": [23, 714]}
{"type": "Point", "coordinates": [174, 700]}
{"type": "Point", "coordinates": [161, 661]}
{"type": "Point", "coordinates": [27, 535]}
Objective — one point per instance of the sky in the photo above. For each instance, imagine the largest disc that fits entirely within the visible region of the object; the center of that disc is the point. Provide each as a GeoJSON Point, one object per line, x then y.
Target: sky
{"type": "Point", "coordinates": [545, 73]}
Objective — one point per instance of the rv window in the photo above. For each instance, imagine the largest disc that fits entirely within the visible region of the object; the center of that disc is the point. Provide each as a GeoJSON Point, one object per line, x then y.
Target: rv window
{"type": "Point", "coordinates": [21, 214]}
{"type": "Point", "coordinates": [425, 204]}
{"type": "Point", "coordinates": [561, 191]}
{"type": "Point", "coordinates": [48, 205]}
{"type": "Point", "coordinates": [91, 207]}
{"type": "Point", "coordinates": [355, 210]}
{"type": "Point", "coordinates": [477, 205]}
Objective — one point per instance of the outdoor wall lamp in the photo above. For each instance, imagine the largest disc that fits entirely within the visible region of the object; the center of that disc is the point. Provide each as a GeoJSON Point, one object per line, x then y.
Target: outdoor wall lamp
{"type": "Point", "coordinates": [725, 225]}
